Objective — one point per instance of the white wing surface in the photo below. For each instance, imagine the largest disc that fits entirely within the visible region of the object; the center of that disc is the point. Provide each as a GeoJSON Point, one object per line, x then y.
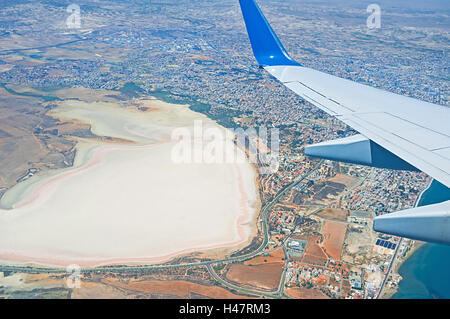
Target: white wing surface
{"type": "Point", "coordinates": [396, 132]}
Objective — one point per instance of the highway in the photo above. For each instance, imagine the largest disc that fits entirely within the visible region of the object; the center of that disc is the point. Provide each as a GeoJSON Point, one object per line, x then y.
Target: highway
{"type": "Point", "coordinates": [208, 264]}
{"type": "Point", "coordinates": [241, 289]}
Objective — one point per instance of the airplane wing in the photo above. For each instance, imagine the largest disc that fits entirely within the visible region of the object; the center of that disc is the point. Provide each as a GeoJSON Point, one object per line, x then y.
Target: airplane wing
{"type": "Point", "coordinates": [397, 132]}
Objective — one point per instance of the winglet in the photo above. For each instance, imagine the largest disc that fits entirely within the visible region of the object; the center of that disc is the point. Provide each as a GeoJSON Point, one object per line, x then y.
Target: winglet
{"type": "Point", "coordinates": [266, 46]}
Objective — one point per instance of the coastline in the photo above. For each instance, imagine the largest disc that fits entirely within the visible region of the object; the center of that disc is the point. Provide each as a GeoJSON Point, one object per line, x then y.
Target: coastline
{"type": "Point", "coordinates": [427, 264]}
{"type": "Point", "coordinates": [223, 252]}
{"type": "Point", "coordinates": [388, 293]}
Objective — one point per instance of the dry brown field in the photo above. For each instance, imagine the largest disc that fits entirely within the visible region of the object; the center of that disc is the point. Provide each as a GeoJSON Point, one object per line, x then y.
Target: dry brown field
{"type": "Point", "coordinates": [333, 213]}
{"type": "Point", "coordinates": [277, 256]}
{"type": "Point", "coordinates": [305, 293]}
{"type": "Point", "coordinates": [347, 180]}
{"type": "Point", "coordinates": [265, 275]}
{"type": "Point", "coordinates": [334, 235]}
{"type": "Point", "coordinates": [314, 253]}
{"type": "Point", "coordinates": [182, 289]}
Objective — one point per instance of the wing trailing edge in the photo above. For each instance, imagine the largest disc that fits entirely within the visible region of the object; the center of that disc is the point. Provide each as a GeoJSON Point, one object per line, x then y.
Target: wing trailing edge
{"type": "Point", "coordinates": [359, 150]}
{"type": "Point", "coordinates": [397, 132]}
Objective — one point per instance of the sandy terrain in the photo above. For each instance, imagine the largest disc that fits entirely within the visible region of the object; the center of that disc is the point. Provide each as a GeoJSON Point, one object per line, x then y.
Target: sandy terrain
{"type": "Point", "coordinates": [128, 203]}
{"type": "Point", "coordinates": [314, 253]}
{"type": "Point", "coordinates": [21, 147]}
{"type": "Point", "coordinates": [91, 290]}
{"type": "Point", "coordinates": [334, 235]}
{"type": "Point", "coordinates": [333, 213]}
{"type": "Point", "coordinates": [265, 275]}
{"type": "Point", "coordinates": [277, 256]}
{"type": "Point", "coordinates": [181, 289]}
{"type": "Point", "coordinates": [358, 243]}
{"type": "Point", "coordinates": [55, 286]}
{"type": "Point", "coordinates": [347, 180]}
{"type": "Point", "coordinates": [305, 293]}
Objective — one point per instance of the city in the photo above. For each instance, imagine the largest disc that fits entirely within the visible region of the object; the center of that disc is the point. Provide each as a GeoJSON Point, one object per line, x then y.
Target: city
{"type": "Point", "coordinates": [314, 232]}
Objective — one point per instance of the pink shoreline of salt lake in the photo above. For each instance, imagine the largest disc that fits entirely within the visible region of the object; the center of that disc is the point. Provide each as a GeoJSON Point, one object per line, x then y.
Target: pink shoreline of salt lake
{"type": "Point", "coordinates": [44, 190]}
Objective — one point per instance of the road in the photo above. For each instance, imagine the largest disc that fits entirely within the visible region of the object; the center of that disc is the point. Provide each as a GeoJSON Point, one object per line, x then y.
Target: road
{"type": "Point", "coordinates": [416, 204]}
{"type": "Point", "coordinates": [239, 288]}
{"type": "Point", "coordinates": [208, 264]}
{"type": "Point", "coordinates": [389, 269]}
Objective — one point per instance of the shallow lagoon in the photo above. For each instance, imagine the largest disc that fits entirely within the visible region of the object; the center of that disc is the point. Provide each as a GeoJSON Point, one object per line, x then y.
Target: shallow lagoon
{"type": "Point", "coordinates": [128, 202]}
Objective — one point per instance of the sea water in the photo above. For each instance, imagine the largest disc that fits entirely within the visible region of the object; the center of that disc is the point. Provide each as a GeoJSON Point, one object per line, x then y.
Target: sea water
{"type": "Point", "coordinates": [426, 274]}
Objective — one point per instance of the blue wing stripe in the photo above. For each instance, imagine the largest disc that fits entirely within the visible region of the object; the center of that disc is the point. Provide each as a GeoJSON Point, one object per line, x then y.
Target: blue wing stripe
{"type": "Point", "coordinates": [266, 46]}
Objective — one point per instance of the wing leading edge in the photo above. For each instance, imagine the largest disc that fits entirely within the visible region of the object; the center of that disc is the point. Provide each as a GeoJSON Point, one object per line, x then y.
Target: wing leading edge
{"type": "Point", "coordinates": [397, 132]}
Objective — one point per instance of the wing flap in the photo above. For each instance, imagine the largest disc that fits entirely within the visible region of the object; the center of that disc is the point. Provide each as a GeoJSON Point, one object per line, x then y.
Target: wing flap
{"type": "Point", "coordinates": [411, 132]}
{"type": "Point", "coordinates": [445, 152]}
{"type": "Point", "coordinates": [428, 162]}
{"type": "Point", "coordinates": [361, 98]}
{"type": "Point", "coordinates": [415, 131]}
{"type": "Point", "coordinates": [318, 99]}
